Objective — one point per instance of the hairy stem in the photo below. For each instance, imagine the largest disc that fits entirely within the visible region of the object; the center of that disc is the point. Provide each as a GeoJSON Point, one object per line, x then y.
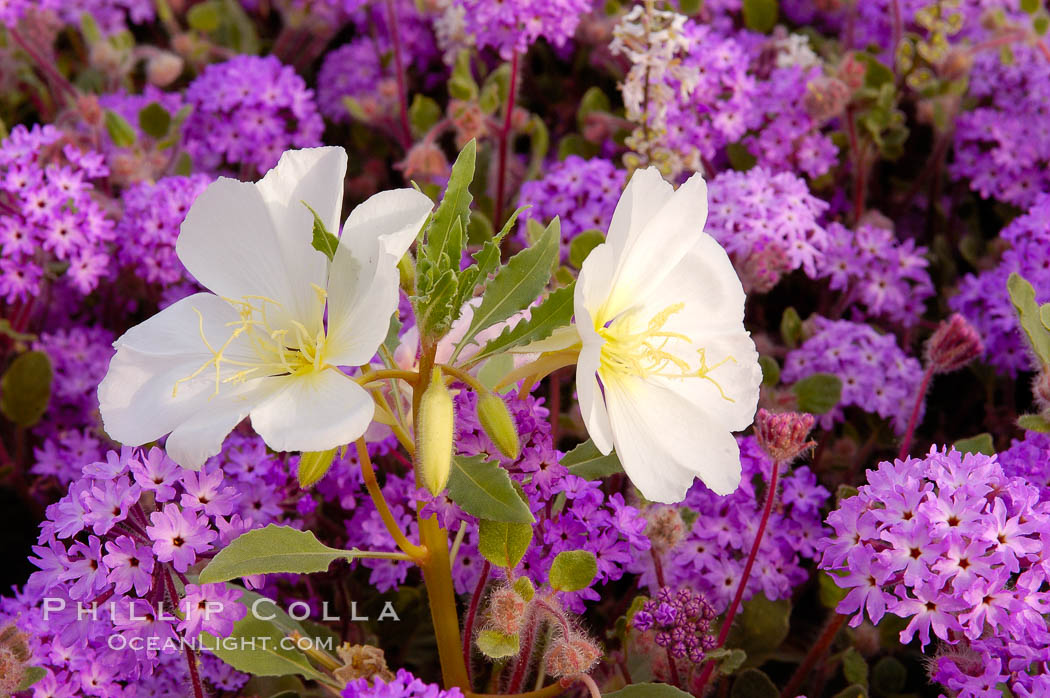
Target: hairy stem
{"type": "Point", "coordinates": [195, 677]}
{"type": "Point", "coordinates": [914, 418]}
{"type": "Point", "coordinates": [504, 134]}
{"type": "Point", "coordinates": [472, 613]}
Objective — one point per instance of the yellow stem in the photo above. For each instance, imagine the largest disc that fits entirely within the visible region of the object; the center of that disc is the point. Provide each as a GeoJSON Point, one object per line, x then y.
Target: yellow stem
{"type": "Point", "coordinates": [419, 554]}
{"type": "Point", "coordinates": [437, 575]}
{"type": "Point", "coordinates": [464, 377]}
{"type": "Point", "coordinates": [555, 689]}
{"type": "Point", "coordinates": [410, 377]}
{"type": "Point", "coordinates": [395, 424]}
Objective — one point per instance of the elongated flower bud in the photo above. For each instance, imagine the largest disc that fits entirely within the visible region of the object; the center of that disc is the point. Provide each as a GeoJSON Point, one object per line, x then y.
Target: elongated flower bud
{"type": "Point", "coordinates": [954, 344]}
{"type": "Point", "coordinates": [434, 439]}
{"type": "Point", "coordinates": [498, 423]}
{"type": "Point", "coordinates": [783, 434]}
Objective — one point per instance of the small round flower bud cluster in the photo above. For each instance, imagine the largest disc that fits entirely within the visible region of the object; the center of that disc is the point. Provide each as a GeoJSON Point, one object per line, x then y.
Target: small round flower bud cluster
{"type": "Point", "coordinates": [958, 548]}
{"type": "Point", "coordinates": [681, 622]}
{"type": "Point", "coordinates": [784, 435]}
{"type": "Point", "coordinates": [506, 610]}
{"type": "Point", "coordinates": [571, 654]}
{"type": "Point", "coordinates": [666, 527]}
{"type": "Point", "coordinates": [246, 112]}
{"type": "Point", "coordinates": [512, 26]}
{"type": "Point", "coordinates": [954, 344]}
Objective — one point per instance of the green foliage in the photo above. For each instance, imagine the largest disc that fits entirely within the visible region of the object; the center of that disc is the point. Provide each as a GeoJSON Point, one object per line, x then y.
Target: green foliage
{"type": "Point", "coordinates": [761, 15]}
{"type": "Point", "coordinates": [982, 443]}
{"type": "Point", "coordinates": [31, 676]}
{"type": "Point", "coordinates": [753, 683]}
{"type": "Point", "coordinates": [729, 660]}
{"type": "Point", "coordinates": [854, 691]}
{"type": "Point", "coordinates": [483, 489]}
{"type": "Point", "coordinates": [594, 101]}
{"type": "Point", "coordinates": [818, 393]}
{"type": "Point", "coordinates": [503, 543]}
{"type": "Point", "coordinates": [1022, 295]}
{"type": "Point", "coordinates": [462, 85]}
{"type": "Point", "coordinates": [226, 23]}
{"type": "Point", "coordinates": [888, 676]}
{"type": "Point", "coordinates": [740, 158]}
{"type": "Point", "coordinates": [648, 690]}
{"type": "Point", "coordinates": [25, 388]}
{"type": "Point", "coordinates": [573, 570]}
{"type": "Point", "coordinates": [273, 549]}
{"type": "Point", "coordinates": [313, 465]}
{"type": "Point", "coordinates": [323, 240]}
{"type": "Point", "coordinates": [587, 461]}
{"type": "Point", "coordinates": [1034, 422]}
{"type": "Point", "coordinates": [830, 593]}
{"type": "Point", "coordinates": [761, 626]}
{"type": "Point", "coordinates": [791, 328]}
{"type": "Point", "coordinates": [423, 114]}
{"type": "Point", "coordinates": [496, 645]}
{"type": "Point", "coordinates": [855, 667]}
{"type": "Point", "coordinates": [120, 131]}
{"type": "Point", "coordinates": [582, 245]}
{"type": "Point", "coordinates": [770, 370]}
{"type": "Point", "coordinates": [154, 120]}
{"type": "Point", "coordinates": [204, 17]}
{"type": "Point", "coordinates": [552, 313]}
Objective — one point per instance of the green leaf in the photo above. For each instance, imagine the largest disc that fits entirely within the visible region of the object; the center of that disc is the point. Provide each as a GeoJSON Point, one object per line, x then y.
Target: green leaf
{"type": "Point", "coordinates": [877, 73]}
{"type": "Point", "coordinates": [1022, 295]}
{"type": "Point", "coordinates": [753, 683]}
{"type": "Point", "coordinates": [830, 593]}
{"type": "Point", "coordinates": [982, 443]}
{"type": "Point", "coordinates": [1034, 422]}
{"type": "Point", "coordinates": [486, 261]}
{"type": "Point", "coordinates": [587, 461]}
{"type": "Point", "coordinates": [448, 225]}
{"type": "Point", "coordinates": [729, 660]}
{"type": "Point", "coordinates": [502, 543]}
{"type": "Point", "coordinates": [888, 676]}
{"type": "Point", "coordinates": [1030, 6]}
{"type": "Point", "coordinates": [770, 370]}
{"type": "Point", "coordinates": [154, 120]}
{"type": "Point", "coordinates": [518, 283]}
{"type": "Point", "coordinates": [120, 131]}
{"type": "Point", "coordinates": [1044, 315]}
{"type": "Point", "coordinates": [594, 100]}
{"type": "Point", "coordinates": [740, 158]}
{"type": "Point", "coordinates": [496, 645]}
{"type": "Point", "coordinates": [853, 691]}
{"type": "Point", "coordinates": [552, 313]}
{"type": "Point", "coordinates": [1040, 24]}
{"type": "Point", "coordinates": [323, 241]}
{"type": "Point", "coordinates": [818, 393]}
{"type": "Point", "coordinates": [438, 309]}
{"type": "Point", "coordinates": [582, 245]}
{"type": "Point", "coordinates": [762, 625]}
{"type": "Point", "coordinates": [573, 570]}
{"type": "Point", "coordinates": [25, 388]}
{"type": "Point", "coordinates": [791, 328]}
{"type": "Point", "coordinates": [31, 675]}
{"type": "Point", "coordinates": [761, 15]}
{"type": "Point", "coordinates": [462, 85]}
{"type": "Point", "coordinates": [648, 690]}
{"type": "Point", "coordinates": [204, 17]}
{"type": "Point", "coordinates": [483, 489]}
{"type": "Point", "coordinates": [313, 465]}
{"type": "Point", "coordinates": [184, 164]}
{"type": "Point", "coordinates": [854, 667]}
{"type": "Point", "coordinates": [89, 28]}
{"type": "Point", "coordinates": [423, 114]}
{"type": "Point", "coordinates": [273, 549]}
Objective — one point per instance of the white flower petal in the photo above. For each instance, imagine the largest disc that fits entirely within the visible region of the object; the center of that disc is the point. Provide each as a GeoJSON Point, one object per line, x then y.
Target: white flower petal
{"type": "Point", "coordinates": [313, 175]}
{"type": "Point", "coordinates": [200, 436]}
{"type": "Point", "coordinates": [182, 327]}
{"type": "Point", "coordinates": [393, 217]}
{"type": "Point", "coordinates": [641, 200]}
{"type": "Point", "coordinates": [312, 412]}
{"type": "Point", "coordinates": [592, 402]}
{"type": "Point", "coordinates": [362, 297]}
{"type": "Point", "coordinates": [593, 287]}
{"type": "Point", "coordinates": [663, 441]}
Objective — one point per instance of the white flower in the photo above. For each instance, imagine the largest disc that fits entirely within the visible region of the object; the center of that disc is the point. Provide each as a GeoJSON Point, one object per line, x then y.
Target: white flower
{"type": "Point", "coordinates": [260, 343]}
{"type": "Point", "coordinates": [666, 370]}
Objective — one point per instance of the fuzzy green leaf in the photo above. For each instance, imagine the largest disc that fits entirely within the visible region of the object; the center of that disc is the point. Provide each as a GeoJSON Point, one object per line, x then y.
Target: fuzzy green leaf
{"type": "Point", "coordinates": [552, 313]}
{"type": "Point", "coordinates": [854, 667]}
{"type": "Point", "coordinates": [587, 461]}
{"type": "Point", "coordinates": [503, 543]}
{"type": "Point", "coordinates": [761, 15]}
{"type": "Point", "coordinates": [496, 645]}
{"type": "Point", "coordinates": [29, 677]}
{"type": "Point", "coordinates": [582, 245]}
{"type": "Point", "coordinates": [818, 393]}
{"type": "Point", "coordinates": [1034, 422]}
{"type": "Point", "coordinates": [791, 328]}
{"type": "Point", "coordinates": [573, 570]}
{"type": "Point", "coordinates": [483, 489]}
{"type": "Point", "coordinates": [25, 388]}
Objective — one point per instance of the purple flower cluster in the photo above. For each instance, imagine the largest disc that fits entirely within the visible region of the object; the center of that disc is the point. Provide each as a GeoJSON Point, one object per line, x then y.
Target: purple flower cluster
{"type": "Point", "coordinates": [769, 221]}
{"type": "Point", "coordinates": [877, 376]}
{"type": "Point", "coordinates": [404, 685]}
{"type": "Point", "coordinates": [1029, 458]}
{"type": "Point", "coordinates": [110, 15]}
{"type": "Point", "coordinates": [49, 215]}
{"type": "Point", "coordinates": [246, 112]}
{"type": "Point", "coordinates": [958, 548]}
{"type": "Point", "coordinates": [985, 302]}
{"type": "Point", "coordinates": [1003, 146]}
{"type": "Point", "coordinates": [582, 192]}
{"type": "Point", "coordinates": [710, 556]}
{"type": "Point", "coordinates": [355, 70]}
{"type": "Point", "coordinates": [681, 622]}
{"type": "Point", "coordinates": [514, 25]}
{"type": "Point", "coordinates": [886, 277]}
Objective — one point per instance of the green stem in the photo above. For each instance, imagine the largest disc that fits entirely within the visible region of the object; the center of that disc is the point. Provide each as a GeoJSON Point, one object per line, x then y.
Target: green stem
{"type": "Point", "coordinates": [437, 576]}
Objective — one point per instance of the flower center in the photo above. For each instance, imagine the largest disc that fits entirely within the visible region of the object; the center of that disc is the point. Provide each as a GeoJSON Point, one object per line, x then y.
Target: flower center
{"type": "Point", "coordinates": [281, 351]}
{"type": "Point", "coordinates": [648, 350]}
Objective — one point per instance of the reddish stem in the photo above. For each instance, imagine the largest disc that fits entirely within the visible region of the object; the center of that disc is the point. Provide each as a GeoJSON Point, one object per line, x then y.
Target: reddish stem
{"type": "Point", "coordinates": [858, 165]}
{"type": "Point", "coordinates": [402, 91]}
{"type": "Point", "coordinates": [913, 420]}
{"type": "Point", "coordinates": [195, 677]}
{"type": "Point", "coordinates": [816, 652]}
{"type": "Point", "coordinates": [771, 496]}
{"type": "Point", "coordinates": [472, 613]}
{"type": "Point", "coordinates": [898, 29]}
{"type": "Point", "coordinates": [504, 134]}
{"type": "Point", "coordinates": [525, 655]}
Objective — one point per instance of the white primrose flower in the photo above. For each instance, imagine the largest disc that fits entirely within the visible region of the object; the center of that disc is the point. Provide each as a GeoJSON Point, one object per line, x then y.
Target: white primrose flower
{"type": "Point", "coordinates": [280, 321]}
{"type": "Point", "coordinates": [666, 369]}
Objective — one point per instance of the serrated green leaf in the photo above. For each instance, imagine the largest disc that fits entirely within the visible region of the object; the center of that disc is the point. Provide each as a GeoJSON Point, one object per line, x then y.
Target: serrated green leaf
{"type": "Point", "coordinates": [1022, 296]}
{"type": "Point", "coordinates": [25, 388]}
{"type": "Point", "coordinates": [438, 309]}
{"type": "Point", "coordinates": [582, 244]}
{"type": "Point", "coordinates": [1034, 422]}
{"type": "Point", "coordinates": [554, 312]}
{"type": "Point", "coordinates": [313, 465]}
{"type": "Point", "coordinates": [818, 393]}
{"type": "Point", "coordinates": [273, 549]}
{"type": "Point", "coordinates": [752, 683]}
{"type": "Point", "coordinates": [445, 234]}
{"type": "Point", "coordinates": [486, 261]}
{"type": "Point", "coordinates": [120, 131]}
{"type": "Point", "coordinates": [503, 543]}
{"type": "Point", "coordinates": [483, 489]}
{"type": "Point", "coordinates": [31, 675]}
{"type": "Point", "coordinates": [496, 645]}
{"type": "Point", "coordinates": [587, 461]}
{"type": "Point", "coordinates": [154, 120]}
{"type": "Point", "coordinates": [761, 15]}
{"type": "Point", "coordinates": [518, 283]}
{"type": "Point", "coordinates": [573, 570]}
{"type": "Point", "coordinates": [648, 690]}
{"type": "Point", "coordinates": [982, 443]}
{"type": "Point", "coordinates": [323, 241]}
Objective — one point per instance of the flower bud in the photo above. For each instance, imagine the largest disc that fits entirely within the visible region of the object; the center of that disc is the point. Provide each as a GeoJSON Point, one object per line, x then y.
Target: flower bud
{"type": "Point", "coordinates": [571, 655]}
{"type": "Point", "coordinates": [163, 68]}
{"type": "Point", "coordinates": [434, 439]}
{"type": "Point", "coordinates": [11, 672]}
{"type": "Point", "coordinates": [954, 344]}
{"type": "Point", "coordinates": [762, 269]}
{"type": "Point", "coordinates": [506, 611]}
{"type": "Point", "coordinates": [783, 434]}
{"type": "Point", "coordinates": [826, 98]}
{"type": "Point", "coordinates": [498, 423]}
{"type": "Point", "coordinates": [425, 160]}
{"type": "Point", "coordinates": [851, 71]}
{"type": "Point", "coordinates": [666, 527]}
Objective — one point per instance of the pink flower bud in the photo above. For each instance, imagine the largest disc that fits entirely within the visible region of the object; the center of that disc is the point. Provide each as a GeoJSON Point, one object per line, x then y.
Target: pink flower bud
{"type": "Point", "coordinates": [851, 71]}
{"type": "Point", "coordinates": [826, 98]}
{"type": "Point", "coordinates": [425, 160]}
{"type": "Point", "coordinates": [571, 655]}
{"type": "Point", "coordinates": [783, 434]}
{"type": "Point", "coordinates": [953, 345]}
{"type": "Point", "coordinates": [761, 269]}
{"type": "Point", "coordinates": [506, 611]}
{"type": "Point", "coordinates": [665, 528]}
{"type": "Point", "coordinates": [164, 68]}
